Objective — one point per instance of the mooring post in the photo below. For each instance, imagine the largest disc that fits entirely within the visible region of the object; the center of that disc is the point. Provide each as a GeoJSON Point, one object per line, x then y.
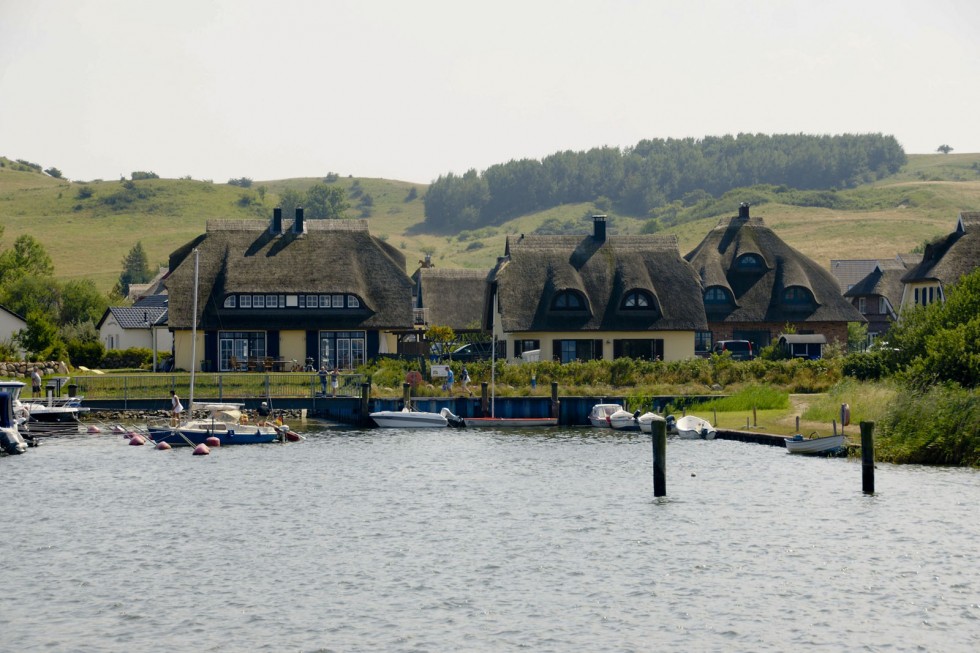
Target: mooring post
{"type": "Point", "coordinates": [834, 423]}
{"type": "Point", "coordinates": [716, 418]}
{"type": "Point", "coordinates": [868, 457]}
{"type": "Point", "coordinates": [659, 432]}
{"type": "Point", "coordinates": [407, 395]}
{"type": "Point", "coordinates": [755, 422]}
{"type": "Point", "coordinates": [797, 423]}
{"type": "Point", "coordinates": [484, 398]}
{"type": "Point", "coordinates": [365, 402]}
{"type": "Point", "coordinates": [555, 404]}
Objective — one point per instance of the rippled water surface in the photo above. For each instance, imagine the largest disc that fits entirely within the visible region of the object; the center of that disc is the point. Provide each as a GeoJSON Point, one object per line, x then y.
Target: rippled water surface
{"type": "Point", "coordinates": [477, 540]}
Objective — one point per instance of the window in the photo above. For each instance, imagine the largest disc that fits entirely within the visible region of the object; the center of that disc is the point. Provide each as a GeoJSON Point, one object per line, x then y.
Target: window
{"type": "Point", "coordinates": [245, 301]}
{"type": "Point", "coordinates": [930, 294]}
{"type": "Point", "coordinates": [342, 349]}
{"type": "Point", "coordinates": [521, 346]}
{"type": "Point", "coordinates": [338, 301]}
{"type": "Point", "coordinates": [716, 295]}
{"type": "Point", "coordinates": [651, 349]}
{"type": "Point", "coordinates": [749, 262]}
{"type": "Point", "coordinates": [258, 301]}
{"type": "Point", "coordinates": [637, 300]}
{"type": "Point", "coordinates": [568, 300]}
{"type": "Point", "coordinates": [862, 305]}
{"type": "Point", "coordinates": [882, 305]}
{"type": "Point", "coordinates": [797, 295]}
{"type": "Point", "coordinates": [916, 296]}
{"type": "Point", "coordinates": [311, 301]}
{"type": "Point", "coordinates": [702, 341]}
{"type": "Point", "coordinates": [271, 301]}
{"type": "Point", "coordinates": [230, 301]}
{"type": "Point", "coordinates": [292, 301]}
{"type": "Point", "coordinates": [566, 351]}
{"type": "Point", "coordinates": [240, 346]}
{"type": "Point", "coordinates": [324, 301]}
{"type": "Point", "coordinates": [353, 302]}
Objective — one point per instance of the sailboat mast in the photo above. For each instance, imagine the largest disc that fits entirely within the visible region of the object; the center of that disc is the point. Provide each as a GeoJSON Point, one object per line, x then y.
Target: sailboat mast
{"type": "Point", "coordinates": [190, 398]}
{"type": "Point", "coordinates": [493, 357]}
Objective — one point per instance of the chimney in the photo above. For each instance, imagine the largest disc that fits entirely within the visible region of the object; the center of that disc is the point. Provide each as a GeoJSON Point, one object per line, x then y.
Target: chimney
{"type": "Point", "coordinates": [599, 228]}
{"type": "Point", "coordinates": [298, 226]}
{"type": "Point", "coordinates": [743, 211]}
{"type": "Point", "coordinates": [276, 227]}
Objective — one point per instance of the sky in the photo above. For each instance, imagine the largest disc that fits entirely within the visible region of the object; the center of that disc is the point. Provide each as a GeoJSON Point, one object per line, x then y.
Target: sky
{"type": "Point", "coordinates": [415, 89]}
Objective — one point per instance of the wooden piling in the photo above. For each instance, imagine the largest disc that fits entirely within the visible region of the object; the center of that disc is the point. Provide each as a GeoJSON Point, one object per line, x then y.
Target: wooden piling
{"type": "Point", "coordinates": [407, 395]}
{"type": "Point", "coordinates": [659, 431]}
{"type": "Point", "coordinates": [484, 398]}
{"type": "Point", "coordinates": [755, 421]}
{"type": "Point", "coordinates": [797, 423]}
{"type": "Point", "coordinates": [715, 422]}
{"type": "Point", "coordinates": [868, 457]}
{"type": "Point", "coordinates": [555, 403]}
{"type": "Point", "coordinates": [365, 402]}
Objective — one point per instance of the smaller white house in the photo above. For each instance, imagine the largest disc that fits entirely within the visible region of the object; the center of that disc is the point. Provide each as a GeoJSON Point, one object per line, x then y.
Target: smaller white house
{"type": "Point", "coordinates": [142, 325]}
{"type": "Point", "coordinates": [10, 323]}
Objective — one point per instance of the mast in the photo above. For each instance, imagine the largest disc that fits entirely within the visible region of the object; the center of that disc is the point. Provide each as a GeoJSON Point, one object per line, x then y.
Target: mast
{"type": "Point", "coordinates": [493, 356]}
{"type": "Point", "coordinates": [190, 399]}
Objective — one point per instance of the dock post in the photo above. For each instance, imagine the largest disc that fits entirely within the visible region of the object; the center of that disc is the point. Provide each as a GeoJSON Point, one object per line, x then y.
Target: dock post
{"type": "Point", "coordinates": [797, 423]}
{"type": "Point", "coordinates": [868, 457]}
{"type": "Point", "coordinates": [555, 404]}
{"type": "Point", "coordinates": [484, 399]}
{"type": "Point", "coordinates": [755, 422]}
{"type": "Point", "coordinates": [715, 424]}
{"type": "Point", "coordinates": [365, 402]}
{"type": "Point", "coordinates": [407, 395]}
{"type": "Point", "coordinates": [659, 432]}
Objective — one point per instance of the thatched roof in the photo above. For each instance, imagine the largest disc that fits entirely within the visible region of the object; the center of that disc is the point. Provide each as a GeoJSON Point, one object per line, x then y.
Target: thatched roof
{"type": "Point", "coordinates": [757, 294]}
{"type": "Point", "coordinates": [535, 269]}
{"type": "Point", "coordinates": [452, 297]}
{"type": "Point", "coordinates": [326, 256]}
{"type": "Point", "coordinates": [954, 256]}
{"type": "Point", "coordinates": [884, 281]}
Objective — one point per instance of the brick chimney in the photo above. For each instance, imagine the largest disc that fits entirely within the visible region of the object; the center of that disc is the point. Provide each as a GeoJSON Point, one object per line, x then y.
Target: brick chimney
{"type": "Point", "coordinates": [599, 228]}
{"type": "Point", "coordinates": [276, 227]}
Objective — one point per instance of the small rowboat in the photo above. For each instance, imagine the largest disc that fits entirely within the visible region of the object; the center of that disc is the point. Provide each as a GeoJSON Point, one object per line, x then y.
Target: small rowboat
{"type": "Point", "coordinates": [815, 446]}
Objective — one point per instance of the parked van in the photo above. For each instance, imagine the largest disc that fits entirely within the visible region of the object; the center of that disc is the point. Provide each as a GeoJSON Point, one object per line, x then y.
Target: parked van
{"type": "Point", "coordinates": [741, 350]}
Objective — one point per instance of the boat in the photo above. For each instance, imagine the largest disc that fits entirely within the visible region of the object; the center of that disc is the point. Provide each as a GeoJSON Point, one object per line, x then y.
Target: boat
{"type": "Point", "coordinates": [11, 441]}
{"type": "Point", "coordinates": [623, 420]}
{"type": "Point", "coordinates": [832, 444]}
{"type": "Point", "coordinates": [223, 422]}
{"type": "Point", "coordinates": [690, 427]}
{"type": "Point", "coordinates": [646, 420]}
{"type": "Point", "coordinates": [600, 413]}
{"type": "Point", "coordinates": [49, 417]}
{"type": "Point", "coordinates": [503, 422]}
{"type": "Point", "coordinates": [407, 418]}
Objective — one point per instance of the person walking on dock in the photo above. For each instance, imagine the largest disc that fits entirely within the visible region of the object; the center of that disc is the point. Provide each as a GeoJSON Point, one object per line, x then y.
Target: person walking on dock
{"type": "Point", "coordinates": [466, 381]}
{"type": "Point", "coordinates": [176, 408]}
{"type": "Point", "coordinates": [35, 383]}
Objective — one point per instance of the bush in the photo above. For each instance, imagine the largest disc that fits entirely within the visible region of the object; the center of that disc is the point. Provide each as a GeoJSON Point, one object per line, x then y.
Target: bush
{"type": "Point", "coordinates": [85, 352]}
{"type": "Point", "coordinates": [866, 366]}
{"type": "Point", "coordinates": [133, 357]}
{"type": "Point", "coordinates": [940, 426]}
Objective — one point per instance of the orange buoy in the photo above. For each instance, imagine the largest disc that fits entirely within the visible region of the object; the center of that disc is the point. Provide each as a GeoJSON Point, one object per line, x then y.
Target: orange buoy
{"type": "Point", "coordinates": [94, 429]}
{"type": "Point", "coordinates": [213, 441]}
{"type": "Point", "coordinates": [163, 445]}
{"type": "Point", "coordinates": [137, 440]}
{"type": "Point", "coordinates": [201, 450]}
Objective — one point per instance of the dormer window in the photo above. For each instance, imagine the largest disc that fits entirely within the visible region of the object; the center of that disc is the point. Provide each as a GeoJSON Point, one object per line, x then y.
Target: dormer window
{"type": "Point", "coordinates": [716, 295]}
{"type": "Point", "coordinates": [797, 296]}
{"type": "Point", "coordinates": [637, 300]}
{"type": "Point", "coordinates": [230, 301]}
{"type": "Point", "coordinates": [568, 300]}
{"type": "Point", "coordinates": [749, 263]}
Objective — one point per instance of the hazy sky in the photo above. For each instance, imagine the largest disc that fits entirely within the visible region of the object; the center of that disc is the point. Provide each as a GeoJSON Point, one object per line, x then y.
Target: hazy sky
{"type": "Point", "coordinates": [412, 89]}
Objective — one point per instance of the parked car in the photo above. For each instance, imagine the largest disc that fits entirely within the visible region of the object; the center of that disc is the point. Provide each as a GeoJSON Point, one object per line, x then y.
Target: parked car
{"type": "Point", "coordinates": [472, 351]}
{"type": "Point", "coordinates": [741, 350]}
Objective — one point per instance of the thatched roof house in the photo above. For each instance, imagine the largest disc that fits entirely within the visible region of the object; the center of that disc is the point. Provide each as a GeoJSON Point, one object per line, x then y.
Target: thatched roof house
{"type": "Point", "coordinates": [290, 289]}
{"type": "Point", "coordinates": [878, 295]}
{"type": "Point", "coordinates": [755, 284]}
{"type": "Point", "coordinates": [553, 290]}
{"type": "Point", "coordinates": [452, 297]}
{"type": "Point", "coordinates": [944, 262]}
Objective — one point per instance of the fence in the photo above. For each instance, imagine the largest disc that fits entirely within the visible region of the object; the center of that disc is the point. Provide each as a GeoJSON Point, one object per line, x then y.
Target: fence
{"type": "Point", "coordinates": [213, 385]}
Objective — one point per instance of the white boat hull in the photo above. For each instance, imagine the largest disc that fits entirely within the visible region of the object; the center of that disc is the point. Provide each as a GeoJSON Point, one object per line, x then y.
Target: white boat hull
{"type": "Point", "coordinates": [622, 420]}
{"type": "Point", "coordinates": [815, 446]}
{"type": "Point", "coordinates": [599, 416]}
{"type": "Point", "coordinates": [396, 419]}
{"type": "Point", "coordinates": [690, 427]}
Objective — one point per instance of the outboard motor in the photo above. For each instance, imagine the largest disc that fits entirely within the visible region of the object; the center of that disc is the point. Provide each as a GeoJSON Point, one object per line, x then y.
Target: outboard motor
{"type": "Point", "coordinates": [11, 441]}
{"type": "Point", "coordinates": [453, 420]}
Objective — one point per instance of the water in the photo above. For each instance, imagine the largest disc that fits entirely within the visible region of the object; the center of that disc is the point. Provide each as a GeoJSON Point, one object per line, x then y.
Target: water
{"type": "Point", "coordinates": [477, 540]}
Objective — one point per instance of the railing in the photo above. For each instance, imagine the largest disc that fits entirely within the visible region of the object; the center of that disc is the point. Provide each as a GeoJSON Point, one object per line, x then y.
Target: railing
{"type": "Point", "coordinates": [213, 385]}
{"type": "Point", "coordinates": [420, 315]}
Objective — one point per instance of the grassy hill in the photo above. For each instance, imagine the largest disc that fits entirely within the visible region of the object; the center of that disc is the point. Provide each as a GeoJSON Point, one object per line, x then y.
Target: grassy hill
{"type": "Point", "coordinates": [88, 227]}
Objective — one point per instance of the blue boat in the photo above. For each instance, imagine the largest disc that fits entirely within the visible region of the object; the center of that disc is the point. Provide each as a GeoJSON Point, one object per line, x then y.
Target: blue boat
{"type": "Point", "coordinates": [224, 421]}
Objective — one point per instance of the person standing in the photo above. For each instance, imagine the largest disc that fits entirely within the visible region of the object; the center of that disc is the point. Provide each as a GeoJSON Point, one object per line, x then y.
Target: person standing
{"type": "Point", "coordinates": [466, 381]}
{"type": "Point", "coordinates": [450, 378]}
{"type": "Point", "coordinates": [263, 412]}
{"type": "Point", "coordinates": [35, 383]}
{"type": "Point", "coordinates": [334, 381]}
{"type": "Point", "coordinates": [323, 380]}
{"type": "Point", "coordinates": [176, 408]}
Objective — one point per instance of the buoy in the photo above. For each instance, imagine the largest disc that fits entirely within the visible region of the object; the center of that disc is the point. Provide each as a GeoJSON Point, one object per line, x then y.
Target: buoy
{"type": "Point", "coordinates": [293, 436]}
{"type": "Point", "coordinates": [163, 445]}
{"type": "Point", "coordinates": [116, 428]}
{"type": "Point", "coordinates": [132, 433]}
{"type": "Point", "coordinates": [94, 429]}
{"type": "Point", "coordinates": [137, 440]}
{"type": "Point", "coordinates": [213, 441]}
{"type": "Point", "coordinates": [127, 434]}
{"type": "Point", "coordinates": [201, 450]}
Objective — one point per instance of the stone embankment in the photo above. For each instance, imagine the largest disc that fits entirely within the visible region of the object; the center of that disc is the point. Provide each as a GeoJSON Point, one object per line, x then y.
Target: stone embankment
{"type": "Point", "coordinates": [23, 369]}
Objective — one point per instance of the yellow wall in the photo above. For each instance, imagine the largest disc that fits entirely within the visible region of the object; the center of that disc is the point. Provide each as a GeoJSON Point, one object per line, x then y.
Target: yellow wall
{"type": "Point", "coordinates": [292, 346]}
{"type": "Point", "coordinates": [182, 350]}
{"type": "Point", "coordinates": [678, 345]}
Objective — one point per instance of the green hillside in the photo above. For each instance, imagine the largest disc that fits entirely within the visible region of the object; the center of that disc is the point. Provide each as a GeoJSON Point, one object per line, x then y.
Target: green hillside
{"type": "Point", "coordinates": [88, 227]}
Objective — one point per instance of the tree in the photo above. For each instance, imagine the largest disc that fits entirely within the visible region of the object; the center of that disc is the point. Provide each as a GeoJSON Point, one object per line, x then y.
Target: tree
{"type": "Point", "coordinates": [945, 149]}
{"type": "Point", "coordinates": [40, 334]}
{"type": "Point", "coordinates": [81, 302]}
{"type": "Point", "coordinates": [54, 172]}
{"type": "Point", "coordinates": [26, 293]}
{"type": "Point", "coordinates": [27, 257]}
{"type": "Point", "coordinates": [326, 202]}
{"type": "Point", "coordinates": [289, 200]}
{"type": "Point", "coordinates": [135, 268]}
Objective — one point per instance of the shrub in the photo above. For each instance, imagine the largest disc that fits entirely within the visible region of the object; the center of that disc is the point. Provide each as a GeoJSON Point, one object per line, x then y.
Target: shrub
{"type": "Point", "coordinates": [940, 426]}
{"type": "Point", "coordinates": [133, 357]}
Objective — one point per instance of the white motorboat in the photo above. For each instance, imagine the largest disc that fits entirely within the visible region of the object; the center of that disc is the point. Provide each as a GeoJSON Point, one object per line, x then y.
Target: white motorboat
{"type": "Point", "coordinates": [414, 419]}
{"type": "Point", "coordinates": [623, 420]}
{"type": "Point", "coordinates": [599, 416]}
{"type": "Point", "coordinates": [815, 446]}
{"type": "Point", "coordinates": [690, 427]}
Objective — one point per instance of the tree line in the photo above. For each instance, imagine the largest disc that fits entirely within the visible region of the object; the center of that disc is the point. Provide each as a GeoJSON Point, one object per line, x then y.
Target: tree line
{"type": "Point", "coordinates": [657, 172]}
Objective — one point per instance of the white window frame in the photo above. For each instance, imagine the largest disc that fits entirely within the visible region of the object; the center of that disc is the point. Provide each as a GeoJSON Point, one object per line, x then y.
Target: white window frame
{"type": "Point", "coordinates": [246, 301]}
{"type": "Point", "coordinates": [230, 301]}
